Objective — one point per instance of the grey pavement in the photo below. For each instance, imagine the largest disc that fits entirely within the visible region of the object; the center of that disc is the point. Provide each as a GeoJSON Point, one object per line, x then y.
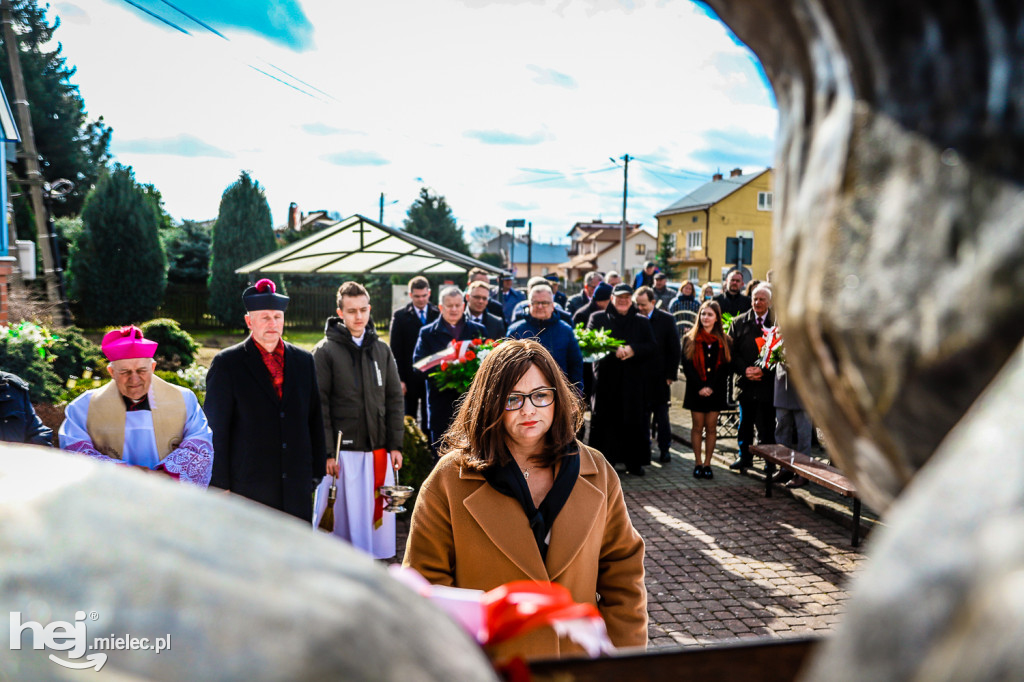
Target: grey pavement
{"type": "Point", "coordinates": [723, 561]}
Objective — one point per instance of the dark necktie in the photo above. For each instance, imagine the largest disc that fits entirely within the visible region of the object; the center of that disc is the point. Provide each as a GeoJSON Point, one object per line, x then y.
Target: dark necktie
{"type": "Point", "coordinates": [760, 322]}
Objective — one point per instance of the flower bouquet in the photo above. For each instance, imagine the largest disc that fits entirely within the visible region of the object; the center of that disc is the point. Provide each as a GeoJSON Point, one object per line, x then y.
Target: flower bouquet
{"type": "Point", "coordinates": [595, 343]}
{"type": "Point", "coordinates": [770, 349]}
{"type": "Point", "coordinates": [457, 364]}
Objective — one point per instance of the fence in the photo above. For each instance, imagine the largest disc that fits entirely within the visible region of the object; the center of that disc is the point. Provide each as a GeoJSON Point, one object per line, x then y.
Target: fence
{"type": "Point", "coordinates": [308, 308]}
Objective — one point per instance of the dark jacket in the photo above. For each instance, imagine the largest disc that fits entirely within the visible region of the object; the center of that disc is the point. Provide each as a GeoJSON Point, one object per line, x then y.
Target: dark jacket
{"type": "Point", "coordinates": [561, 299]}
{"type": "Point", "coordinates": [666, 361]}
{"type": "Point", "coordinates": [576, 302]}
{"type": "Point", "coordinates": [509, 299]}
{"type": "Point", "coordinates": [663, 298]}
{"type": "Point", "coordinates": [733, 304]}
{"type": "Point", "coordinates": [440, 404]}
{"type": "Point", "coordinates": [360, 392]}
{"type": "Point", "coordinates": [745, 333]}
{"type": "Point", "coordinates": [19, 422]}
{"type": "Point", "coordinates": [405, 329]}
{"type": "Point", "coordinates": [620, 426]}
{"type": "Point", "coordinates": [267, 449]}
{"type": "Point", "coordinates": [557, 336]}
{"type": "Point", "coordinates": [493, 325]}
{"type": "Point", "coordinates": [582, 316]}
{"type": "Point", "coordinates": [642, 279]}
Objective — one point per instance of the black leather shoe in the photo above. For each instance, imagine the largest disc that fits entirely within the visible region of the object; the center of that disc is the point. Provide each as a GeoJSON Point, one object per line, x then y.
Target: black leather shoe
{"type": "Point", "coordinates": [636, 471]}
{"type": "Point", "coordinates": [665, 458]}
{"type": "Point", "coordinates": [740, 464]}
{"type": "Point", "coordinates": [698, 472]}
{"type": "Point", "coordinates": [783, 476]}
{"type": "Point", "coordinates": [708, 473]}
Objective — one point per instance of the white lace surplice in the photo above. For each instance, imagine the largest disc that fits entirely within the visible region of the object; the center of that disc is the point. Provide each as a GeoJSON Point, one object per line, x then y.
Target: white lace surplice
{"type": "Point", "coordinates": [191, 462]}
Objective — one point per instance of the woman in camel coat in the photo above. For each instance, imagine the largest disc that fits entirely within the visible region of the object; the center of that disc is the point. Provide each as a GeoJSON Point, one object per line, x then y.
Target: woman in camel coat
{"type": "Point", "coordinates": [516, 497]}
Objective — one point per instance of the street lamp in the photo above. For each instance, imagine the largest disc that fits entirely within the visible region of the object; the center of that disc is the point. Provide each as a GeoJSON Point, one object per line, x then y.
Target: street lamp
{"type": "Point", "coordinates": [513, 224]}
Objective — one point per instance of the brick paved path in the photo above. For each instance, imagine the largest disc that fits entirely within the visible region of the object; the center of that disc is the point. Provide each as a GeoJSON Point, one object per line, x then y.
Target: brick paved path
{"type": "Point", "coordinates": [724, 562]}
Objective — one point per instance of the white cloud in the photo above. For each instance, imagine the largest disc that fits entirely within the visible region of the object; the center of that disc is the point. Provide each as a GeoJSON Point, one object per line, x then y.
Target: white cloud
{"type": "Point", "coordinates": [410, 79]}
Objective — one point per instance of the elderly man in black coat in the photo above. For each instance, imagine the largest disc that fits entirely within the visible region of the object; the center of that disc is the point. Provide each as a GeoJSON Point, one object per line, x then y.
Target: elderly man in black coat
{"type": "Point", "coordinates": [664, 369]}
{"type": "Point", "coordinates": [263, 405]}
{"type": "Point", "coordinates": [620, 425]}
{"type": "Point", "coordinates": [478, 296]}
{"type": "Point", "coordinates": [405, 329]}
{"type": "Point", "coordinates": [756, 384]}
{"type": "Point", "coordinates": [452, 325]}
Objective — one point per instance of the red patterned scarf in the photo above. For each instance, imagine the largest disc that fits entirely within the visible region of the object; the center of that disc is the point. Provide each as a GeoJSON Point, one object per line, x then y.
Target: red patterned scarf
{"type": "Point", "coordinates": [274, 361]}
{"type": "Point", "coordinates": [699, 340]}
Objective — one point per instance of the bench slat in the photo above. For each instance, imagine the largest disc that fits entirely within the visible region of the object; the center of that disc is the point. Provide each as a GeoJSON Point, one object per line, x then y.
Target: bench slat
{"type": "Point", "coordinates": [808, 467]}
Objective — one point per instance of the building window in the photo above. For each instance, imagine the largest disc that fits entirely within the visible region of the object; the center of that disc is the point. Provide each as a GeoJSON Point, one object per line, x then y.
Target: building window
{"type": "Point", "coordinates": [693, 274]}
{"type": "Point", "coordinates": [668, 222]}
{"type": "Point", "coordinates": [694, 240]}
{"type": "Point", "coordinates": [764, 201]}
{"type": "Point", "coordinates": [544, 271]}
{"type": "Point", "coordinates": [694, 218]}
{"type": "Point", "coordinates": [641, 249]}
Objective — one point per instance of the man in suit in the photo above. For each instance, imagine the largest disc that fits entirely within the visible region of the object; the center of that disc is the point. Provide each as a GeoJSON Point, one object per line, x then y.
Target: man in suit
{"type": "Point", "coordinates": [665, 367]}
{"type": "Point", "coordinates": [451, 325]}
{"type": "Point", "coordinates": [405, 329]}
{"type": "Point", "coordinates": [263, 404]}
{"type": "Point", "coordinates": [756, 384]}
{"type": "Point", "coordinates": [509, 296]}
{"type": "Point", "coordinates": [494, 306]}
{"type": "Point", "coordinates": [590, 282]}
{"type": "Point", "coordinates": [478, 294]}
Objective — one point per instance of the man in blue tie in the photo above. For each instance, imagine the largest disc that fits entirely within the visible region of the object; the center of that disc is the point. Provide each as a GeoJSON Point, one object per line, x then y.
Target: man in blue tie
{"type": "Point", "coordinates": [405, 329]}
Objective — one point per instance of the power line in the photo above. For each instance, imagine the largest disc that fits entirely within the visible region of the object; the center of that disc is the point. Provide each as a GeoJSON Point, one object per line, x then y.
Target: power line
{"type": "Point", "coordinates": [559, 175]}
{"type": "Point", "coordinates": [158, 17]}
{"type": "Point", "coordinates": [201, 23]}
{"type": "Point", "coordinates": [681, 172]}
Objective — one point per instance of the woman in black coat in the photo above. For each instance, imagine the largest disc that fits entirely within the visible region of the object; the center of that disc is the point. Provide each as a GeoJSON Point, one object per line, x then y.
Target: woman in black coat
{"type": "Point", "coordinates": [620, 422]}
{"type": "Point", "coordinates": [706, 364]}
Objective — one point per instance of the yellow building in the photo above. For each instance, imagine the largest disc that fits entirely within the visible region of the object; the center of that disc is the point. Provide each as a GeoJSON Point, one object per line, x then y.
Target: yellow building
{"type": "Point", "coordinates": [700, 222]}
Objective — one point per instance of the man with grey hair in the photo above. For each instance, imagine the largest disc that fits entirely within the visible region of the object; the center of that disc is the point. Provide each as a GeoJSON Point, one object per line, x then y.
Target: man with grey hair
{"type": "Point", "coordinates": [613, 278]}
{"type": "Point", "coordinates": [522, 309]}
{"type": "Point", "coordinates": [451, 325]}
{"type": "Point", "coordinates": [553, 333]}
{"type": "Point", "coordinates": [756, 384]}
{"type": "Point", "coordinates": [590, 282]}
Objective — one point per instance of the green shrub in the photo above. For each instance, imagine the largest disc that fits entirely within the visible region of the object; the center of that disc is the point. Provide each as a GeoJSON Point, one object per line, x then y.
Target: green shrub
{"type": "Point", "coordinates": [74, 355]}
{"type": "Point", "coordinates": [177, 349]}
{"type": "Point", "coordinates": [24, 359]}
{"type": "Point", "coordinates": [417, 459]}
{"type": "Point", "coordinates": [179, 380]}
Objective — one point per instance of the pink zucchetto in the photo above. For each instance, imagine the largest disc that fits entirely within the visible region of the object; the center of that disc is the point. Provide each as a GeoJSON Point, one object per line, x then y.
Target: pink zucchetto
{"type": "Point", "coordinates": [127, 343]}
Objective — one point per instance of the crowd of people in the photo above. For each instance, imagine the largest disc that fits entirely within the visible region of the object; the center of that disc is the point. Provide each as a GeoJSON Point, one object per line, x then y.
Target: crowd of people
{"type": "Point", "coordinates": [280, 425]}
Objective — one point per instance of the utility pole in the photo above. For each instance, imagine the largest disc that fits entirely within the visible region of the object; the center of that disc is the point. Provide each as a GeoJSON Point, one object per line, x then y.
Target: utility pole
{"type": "Point", "coordinates": [52, 273]}
{"type": "Point", "coordinates": [529, 251]}
{"type": "Point", "coordinates": [381, 220]}
{"type": "Point", "coordinates": [625, 185]}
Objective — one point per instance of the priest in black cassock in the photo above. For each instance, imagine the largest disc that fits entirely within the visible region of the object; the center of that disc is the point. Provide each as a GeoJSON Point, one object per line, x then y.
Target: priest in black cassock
{"type": "Point", "coordinates": [263, 405]}
{"type": "Point", "coordinates": [619, 425]}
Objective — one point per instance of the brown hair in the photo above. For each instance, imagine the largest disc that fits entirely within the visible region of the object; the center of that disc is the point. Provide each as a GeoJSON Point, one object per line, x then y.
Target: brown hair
{"type": "Point", "coordinates": [647, 291]}
{"type": "Point", "coordinates": [477, 434]}
{"type": "Point", "coordinates": [475, 272]}
{"type": "Point", "coordinates": [351, 289]}
{"type": "Point", "coordinates": [477, 285]}
{"type": "Point", "coordinates": [690, 338]}
{"type": "Point", "coordinates": [419, 282]}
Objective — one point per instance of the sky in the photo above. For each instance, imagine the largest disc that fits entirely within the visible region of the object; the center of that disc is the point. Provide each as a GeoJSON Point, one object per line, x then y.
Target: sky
{"type": "Point", "coordinates": [511, 109]}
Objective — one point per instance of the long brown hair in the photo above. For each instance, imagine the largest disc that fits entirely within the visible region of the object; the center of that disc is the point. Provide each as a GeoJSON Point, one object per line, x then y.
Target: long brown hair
{"type": "Point", "coordinates": [690, 339]}
{"type": "Point", "coordinates": [477, 434]}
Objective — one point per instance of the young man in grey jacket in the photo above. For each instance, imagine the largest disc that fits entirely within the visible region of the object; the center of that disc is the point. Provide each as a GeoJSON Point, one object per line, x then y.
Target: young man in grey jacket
{"type": "Point", "coordinates": [361, 398]}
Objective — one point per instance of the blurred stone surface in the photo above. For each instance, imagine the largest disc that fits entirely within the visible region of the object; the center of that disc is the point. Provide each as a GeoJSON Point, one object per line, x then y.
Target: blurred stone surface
{"type": "Point", "coordinates": [244, 592]}
{"type": "Point", "coordinates": [899, 240]}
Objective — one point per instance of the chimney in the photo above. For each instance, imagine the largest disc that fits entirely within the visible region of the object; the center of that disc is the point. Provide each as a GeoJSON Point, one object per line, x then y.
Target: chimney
{"type": "Point", "coordinates": [294, 217]}
{"type": "Point", "coordinates": [716, 177]}
{"type": "Point", "coordinates": [735, 173]}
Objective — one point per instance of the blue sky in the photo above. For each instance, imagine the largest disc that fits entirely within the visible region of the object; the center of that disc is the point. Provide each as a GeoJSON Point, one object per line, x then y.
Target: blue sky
{"type": "Point", "coordinates": [509, 108]}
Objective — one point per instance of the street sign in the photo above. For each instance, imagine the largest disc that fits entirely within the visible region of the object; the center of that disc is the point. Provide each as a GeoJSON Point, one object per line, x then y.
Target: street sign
{"type": "Point", "coordinates": [739, 250]}
{"type": "Point", "coordinates": [515, 223]}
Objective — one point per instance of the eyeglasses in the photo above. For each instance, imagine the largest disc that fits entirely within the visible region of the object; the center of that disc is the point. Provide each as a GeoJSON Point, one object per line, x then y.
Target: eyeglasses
{"type": "Point", "coordinates": [541, 397]}
{"type": "Point", "coordinates": [541, 304]}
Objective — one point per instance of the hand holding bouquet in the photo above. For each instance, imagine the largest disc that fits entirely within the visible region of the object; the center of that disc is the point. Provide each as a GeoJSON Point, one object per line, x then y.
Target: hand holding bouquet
{"type": "Point", "coordinates": [595, 343]}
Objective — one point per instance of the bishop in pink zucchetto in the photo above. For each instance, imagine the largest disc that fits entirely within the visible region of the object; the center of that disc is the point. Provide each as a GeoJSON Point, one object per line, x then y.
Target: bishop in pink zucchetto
{"type": "Point", "coordinates": [138, 419]}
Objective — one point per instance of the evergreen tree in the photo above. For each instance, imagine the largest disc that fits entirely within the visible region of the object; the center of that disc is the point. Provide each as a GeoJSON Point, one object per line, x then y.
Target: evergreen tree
{"type": "Point", "coordinates": [665, 254]}
{"type": "Point", "coordinates": [119, 267]}
{"type": "Point", "coordinates": [242, 233]}
{"type": "Point", "coordinates": [188, 252]}
{"type": "Point", "coordinates": [431, 218]}
{"type": "Point", "coordinates": [70, 146]}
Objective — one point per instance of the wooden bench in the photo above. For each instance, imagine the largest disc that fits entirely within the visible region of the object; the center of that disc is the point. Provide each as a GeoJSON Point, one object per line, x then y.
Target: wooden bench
{"type": "Point", "coordinates": [814, 471]}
